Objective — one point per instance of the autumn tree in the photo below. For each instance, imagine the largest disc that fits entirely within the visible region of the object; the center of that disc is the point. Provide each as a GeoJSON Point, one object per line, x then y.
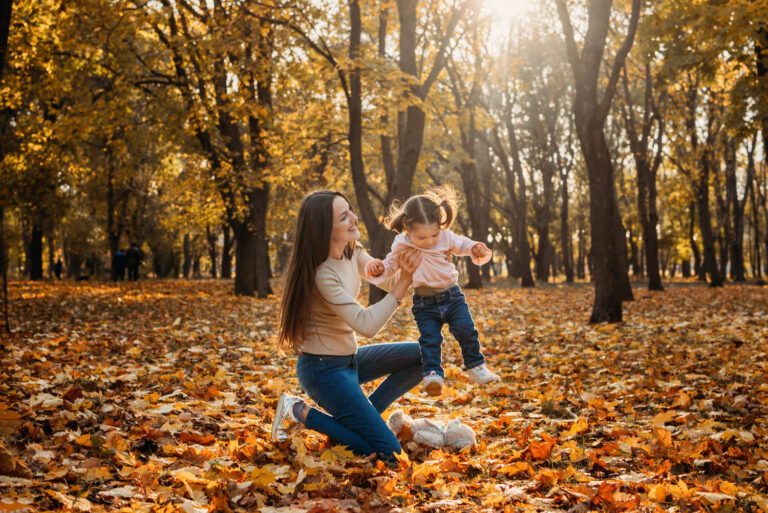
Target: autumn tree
{"type": "Point", "coordinates": [6, 9]}
{"type": "Point", "coordinates": [591, 107]}
{"type": "Point", "coordinates": [641, 110]}
{"type": "Point", "coordinates": [218, 58]}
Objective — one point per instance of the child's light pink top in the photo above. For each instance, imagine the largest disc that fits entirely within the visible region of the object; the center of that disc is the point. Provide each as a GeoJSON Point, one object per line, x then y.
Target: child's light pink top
{"type": "Point", "coordinates": [436, 269]}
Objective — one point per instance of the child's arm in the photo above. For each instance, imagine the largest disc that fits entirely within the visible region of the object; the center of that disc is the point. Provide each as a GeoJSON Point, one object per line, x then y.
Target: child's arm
{"type": "Point", "coordinates": [377, 271]}
{"type": "Point", "coordinates": [464, 246]}
{"type": "Point", "coordinates": [374, 268]}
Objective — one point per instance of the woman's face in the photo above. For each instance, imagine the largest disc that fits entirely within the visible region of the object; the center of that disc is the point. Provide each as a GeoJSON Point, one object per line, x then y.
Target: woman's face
{"type": "Point", "coordinates": [344, 224]}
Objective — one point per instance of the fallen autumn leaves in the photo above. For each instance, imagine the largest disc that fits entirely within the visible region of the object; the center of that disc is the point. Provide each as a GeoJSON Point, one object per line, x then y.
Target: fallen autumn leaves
{"type": "Point", "coordinates": [158, 396]}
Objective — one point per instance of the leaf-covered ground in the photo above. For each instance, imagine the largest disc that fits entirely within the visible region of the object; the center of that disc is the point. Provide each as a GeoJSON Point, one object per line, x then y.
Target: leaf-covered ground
{"type": "Point", "coordinates": [159, 396]}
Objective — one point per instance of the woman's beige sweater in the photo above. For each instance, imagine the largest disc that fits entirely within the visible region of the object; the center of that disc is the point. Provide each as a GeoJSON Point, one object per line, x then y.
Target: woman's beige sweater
{"type": "Point", "coordinates": [335, 315]}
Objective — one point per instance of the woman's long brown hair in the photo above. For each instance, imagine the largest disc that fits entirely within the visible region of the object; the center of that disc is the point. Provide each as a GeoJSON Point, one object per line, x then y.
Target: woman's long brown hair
{"type": "Point", "coordinates": [311, 246]}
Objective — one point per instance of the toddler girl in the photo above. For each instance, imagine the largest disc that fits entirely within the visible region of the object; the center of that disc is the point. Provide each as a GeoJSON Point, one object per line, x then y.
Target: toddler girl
{"type": "Point", "coordinates": [423, 223]}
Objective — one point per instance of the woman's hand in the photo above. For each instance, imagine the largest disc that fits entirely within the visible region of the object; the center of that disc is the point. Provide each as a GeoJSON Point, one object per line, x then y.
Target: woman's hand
{"type": "Point", "coordinates": [408, 261]}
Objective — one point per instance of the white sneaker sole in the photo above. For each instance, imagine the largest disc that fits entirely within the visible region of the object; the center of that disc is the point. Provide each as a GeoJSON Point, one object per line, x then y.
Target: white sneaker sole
{"type": "Point", "coordinates": [278, 420]}
{"type": "Point", "coordinates": [434, 388]}
{"type": "Point", "coordinates": [481, 381]}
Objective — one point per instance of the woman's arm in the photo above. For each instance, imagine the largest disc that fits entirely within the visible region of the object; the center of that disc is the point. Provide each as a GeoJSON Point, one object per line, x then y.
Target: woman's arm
{"type": "Point", "coordinates": [367, 321]}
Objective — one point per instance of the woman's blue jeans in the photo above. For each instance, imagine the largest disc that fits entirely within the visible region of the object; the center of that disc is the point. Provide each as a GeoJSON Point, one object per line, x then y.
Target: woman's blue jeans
{"type": "Point", "coordinates": [353, 419]}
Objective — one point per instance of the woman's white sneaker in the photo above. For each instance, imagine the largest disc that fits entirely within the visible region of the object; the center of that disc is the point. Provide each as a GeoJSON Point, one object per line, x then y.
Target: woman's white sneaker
{"type": "Point", "coordinates": [481, 375]}
{"type": "Point", "coordinates": [283, 409]}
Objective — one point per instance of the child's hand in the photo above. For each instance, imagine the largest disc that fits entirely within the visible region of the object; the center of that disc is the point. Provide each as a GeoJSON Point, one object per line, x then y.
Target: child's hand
{"type": "Point", "coordinates": [480, 250]}
{"type": "Point", "coordinates": [374, 268]}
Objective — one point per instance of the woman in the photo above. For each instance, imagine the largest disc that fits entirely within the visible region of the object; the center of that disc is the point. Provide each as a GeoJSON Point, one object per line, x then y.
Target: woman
{"type": "Point", "coordinates": [318, 319]}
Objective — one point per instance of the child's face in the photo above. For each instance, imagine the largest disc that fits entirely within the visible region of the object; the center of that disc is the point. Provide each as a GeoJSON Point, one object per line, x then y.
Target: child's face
{"type": "Point", "coordinates": [424, 236]}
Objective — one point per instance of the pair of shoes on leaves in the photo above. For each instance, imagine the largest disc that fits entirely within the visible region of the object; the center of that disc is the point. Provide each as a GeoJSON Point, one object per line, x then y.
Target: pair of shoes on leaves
{"type": "Point", "coordinates": [455, 435]}
{"type": "Point", "coordinates": [480, 375]}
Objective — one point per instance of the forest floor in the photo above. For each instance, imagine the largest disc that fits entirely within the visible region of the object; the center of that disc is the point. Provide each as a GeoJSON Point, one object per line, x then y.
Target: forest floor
{"type": "Point", "coordinates": [159, 396]}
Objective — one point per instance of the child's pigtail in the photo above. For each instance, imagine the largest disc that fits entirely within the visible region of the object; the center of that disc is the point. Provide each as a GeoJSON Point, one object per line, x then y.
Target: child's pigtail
{"type": "Point", "coordinates": [446, 200]}
{"type": "Point", "coordinates": [450, 214]}
{"type": "Point", "coordinates": [397, 224]}
{"type": "Point", "coordinates": [396, 219]}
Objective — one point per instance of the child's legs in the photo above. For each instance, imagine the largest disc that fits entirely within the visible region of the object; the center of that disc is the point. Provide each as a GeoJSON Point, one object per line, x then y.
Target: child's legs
{"type": "Point", "coordinates": [430, 324]}
{"type": "Point", "coordinates": [462, 327]}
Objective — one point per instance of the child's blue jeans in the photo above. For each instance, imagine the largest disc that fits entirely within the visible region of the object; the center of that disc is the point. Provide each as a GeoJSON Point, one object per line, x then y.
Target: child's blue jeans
{"type": "Point", "coordinates": [353, 419]}
{"type": "Point", "coordinates": [447, 307]}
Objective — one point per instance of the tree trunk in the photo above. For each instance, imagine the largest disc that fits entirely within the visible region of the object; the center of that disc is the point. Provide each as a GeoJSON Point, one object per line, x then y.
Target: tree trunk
{"type": "Point", "coordinates": [226, 252]}
{"type": "Point", "coordinates": [603, 213]}
{"type": "Point", "coordinates": [639, 141]}
{"type": "Point", "coordinates": [581, 271]}
{"type": "Point", "coordinates": [196, 267]}
{"type": "Point", "coordinates": [757, 270]}
{"type": "Point", "coordinates": [697, 267]}
{"type": "Point", "coordinates": [212, 250]}
{"type": "Point", "coordinates": [379, 238]}
{"type": "Point", "coordinates": [6, 9]}
{"type": "Point", "coordinates": [4, 262]}
{"type": "Point", "coordinates": [649, 220]}
{"type": "Point", "coordinates": [187, 256]}
{"type": "Point", "coordinates": [723, 237]}
{"type": "Point", "coordinates": [590, 114]}
{"type": "Point", "coordinates": [761, 58]}
{"type": "Point", "coordinates": [520, 203]}
{"type": "Point", "coordinates": [565, 231]}
{"type": "Point", "coordinates": [115, 221]}
{"type": "Point", "coordinates": [542, 257]}
{"type": "Point", "coordinates": [36, 252]}
{"type": "Point", "coordinates": [709, 266]}
{"type": "Point", "coordinates": [51, 254]}
{"type": "Point", "coordinates": [686, 268]}
{"type": "Point", "coordinates": [634, 257]}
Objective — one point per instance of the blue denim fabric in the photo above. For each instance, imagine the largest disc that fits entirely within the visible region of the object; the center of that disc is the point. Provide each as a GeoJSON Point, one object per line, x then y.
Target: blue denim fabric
{"type": "Point", "coordinates": [353, 419]}
{"type": "Point", "coordinates": [431, 312]}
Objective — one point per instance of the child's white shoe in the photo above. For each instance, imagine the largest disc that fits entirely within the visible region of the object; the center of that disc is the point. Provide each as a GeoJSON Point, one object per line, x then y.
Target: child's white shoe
{"type": "Point", "coordinates": [433, 384]}
{"type": "Point", "coordinates": [481, 375]}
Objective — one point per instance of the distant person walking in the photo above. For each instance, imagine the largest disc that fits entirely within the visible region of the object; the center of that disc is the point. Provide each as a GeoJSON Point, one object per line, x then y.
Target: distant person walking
{"type": "Point", "coordinates": [133, 257]}
{"type": "Point", "coordinates": [57, 268]}
{"type": "Point", "coordinates": [118, 266]}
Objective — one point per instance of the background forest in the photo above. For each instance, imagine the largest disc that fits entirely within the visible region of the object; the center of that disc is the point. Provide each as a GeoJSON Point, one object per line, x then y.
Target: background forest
{"type": "Point", "coordinates": [616, 145]}
{"type": "Point", "coordinates": [601, 142]}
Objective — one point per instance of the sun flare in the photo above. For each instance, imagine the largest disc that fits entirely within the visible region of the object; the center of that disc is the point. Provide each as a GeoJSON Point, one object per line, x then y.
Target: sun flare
{"type": "Point", "coordinates": [506, 11]}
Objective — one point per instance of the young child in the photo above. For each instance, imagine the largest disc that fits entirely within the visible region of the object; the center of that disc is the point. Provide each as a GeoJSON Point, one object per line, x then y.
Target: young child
{"type": "Point", "coordinates": [423, 223]}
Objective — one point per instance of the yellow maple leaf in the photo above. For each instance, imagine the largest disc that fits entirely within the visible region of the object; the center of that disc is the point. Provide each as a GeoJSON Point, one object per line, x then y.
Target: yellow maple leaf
{"type": "Point", "coordinates": [84, 440]}
{"type": "Point", "coordinates": [729, 488]}
{"type": "Point", "coordinates": [658, 493]}
{"type": "Point", "coordinates": [262, 477]}
{"type": "Point", "coordinates": [337, 453]}
{"type": "Point", "coordinates": [576, 428]}
{"type": "Point", "coordinates": [664, 417]}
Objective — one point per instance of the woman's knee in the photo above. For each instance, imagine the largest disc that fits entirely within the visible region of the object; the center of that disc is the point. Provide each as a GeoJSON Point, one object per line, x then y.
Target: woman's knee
{"type": "Point", "coordinates": [389, 447]}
